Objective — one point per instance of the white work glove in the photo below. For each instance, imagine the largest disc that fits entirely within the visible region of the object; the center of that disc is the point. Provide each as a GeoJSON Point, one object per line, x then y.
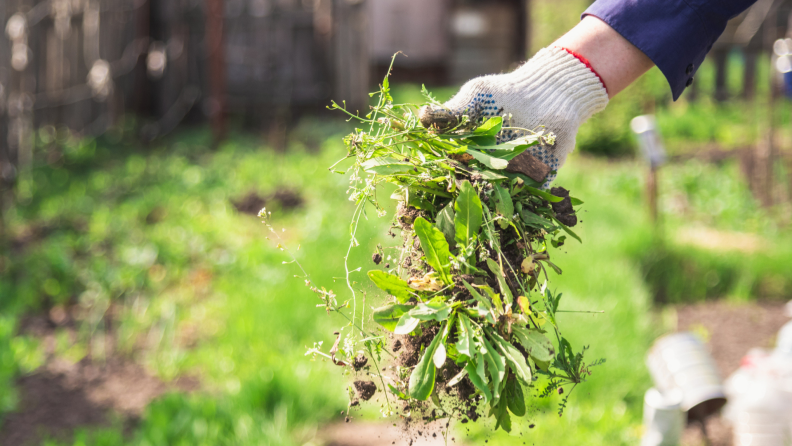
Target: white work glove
{"type": "Point", "coordinates": [554, 89]}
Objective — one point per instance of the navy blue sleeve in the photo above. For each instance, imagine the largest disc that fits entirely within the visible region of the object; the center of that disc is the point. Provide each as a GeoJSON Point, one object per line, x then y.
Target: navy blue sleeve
{"type": "Point", "coordinates": [674, 34]}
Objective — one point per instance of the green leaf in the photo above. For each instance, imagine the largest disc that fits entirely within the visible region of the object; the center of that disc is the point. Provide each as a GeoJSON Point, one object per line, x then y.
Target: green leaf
{"type": "Point", "coordinates": [468, 216]}
{"type": "Point", "coordinates": [487, 160]}
{"type": "Point", "coordinates": [435, 248]}
{"type": "Point", "coordinates": [531, 219]}
{"type": "Point", "coordinates": [515, 399]}
{"type": "Point", "coordinates": [420, 203]}
{"type": "Point", "coordinates": [536, 344]}
{"type": "Point", "coordinates": [513, 357]}
{"type": "Point", "coordinates": [479, 380]}
{"type": "Point", "coordinates": [422, 379]}
{"type": "Point", "coordinates": [496, 365]}
{"type": "Point", "coordinates": [482, 300]}
{"type": "Point", "coordinates": [568, 231]}
{"type": "Point", "coordinates": [431, 312]}
{"type": "Point", "coordinates": [490, 127]}
{"type": "Point", "coordinates": [540, 193]}
{"type": "Point", "coordinates": [406, 324]}
{"type": "Point", "coordinates": [392, 285]}
{"type": "Point", "coordinates": [401, 395]}
{"type": "Point", "coordinates": [389, 315]}
{"type": "Point", "coordinates": [481, 140]}
{"type": "Point", "coordinates": [503, 205]}
{"type": "Point", "coordinates": [508, 150]}
{"type": "Point", "coordinates": [491, 176]}
{"type": "Point", "coordinates": [445, 222]}
{"type": "Point", "coordinates": [496, 270]}
{"type": "Point", "coordinates": [575, 201]}
{"type": "Point", "coordinates": [465, 342]}
{"type": "Point", "coordinates": [502, 418]}
{"type": "Point", "coordinates": [388, 166]}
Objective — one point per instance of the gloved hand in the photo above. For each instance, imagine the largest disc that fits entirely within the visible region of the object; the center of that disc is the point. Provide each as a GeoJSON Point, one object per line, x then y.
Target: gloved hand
{"type": "Point", "coordinates": [554, 89]}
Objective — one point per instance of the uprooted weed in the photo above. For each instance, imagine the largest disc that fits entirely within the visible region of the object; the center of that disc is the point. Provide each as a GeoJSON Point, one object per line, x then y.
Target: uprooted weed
{"type": "Point", "coordinates": [469, 324]}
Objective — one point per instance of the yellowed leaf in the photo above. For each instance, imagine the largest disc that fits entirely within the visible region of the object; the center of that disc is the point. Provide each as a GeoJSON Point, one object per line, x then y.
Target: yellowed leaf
{"type": "Point", "coordinates": [528, 265]}
{"type": "Point", "coordinates": [428, 282]}
{"type": "Point", "coordinates": [525, 304]}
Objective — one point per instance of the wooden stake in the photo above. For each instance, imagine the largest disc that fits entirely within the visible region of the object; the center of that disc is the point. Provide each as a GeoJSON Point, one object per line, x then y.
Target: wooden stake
{"type": "Point", "coordinates": [217, 67]}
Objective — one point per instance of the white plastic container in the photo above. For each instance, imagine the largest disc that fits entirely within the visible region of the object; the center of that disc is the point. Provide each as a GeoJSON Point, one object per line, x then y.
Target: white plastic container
{"type": "Point", "coordinates": [681, 361]}
{"type": "Point", "coordinates": [784, 340]}
{"type": "Point", "coordinates": [663, 418]}
{"type": "Point", "coordinates": [762, 416]}
{"type": "Point", "coordinates": [760, 399]}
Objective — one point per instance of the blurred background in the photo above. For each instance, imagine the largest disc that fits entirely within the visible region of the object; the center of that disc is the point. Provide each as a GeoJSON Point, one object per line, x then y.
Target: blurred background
{"type": "Point", "coordinates": [141, 304]}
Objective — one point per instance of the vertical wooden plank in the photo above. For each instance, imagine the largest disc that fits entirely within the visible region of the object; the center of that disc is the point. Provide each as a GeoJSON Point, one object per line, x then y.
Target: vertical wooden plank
{"type": "Point", "coordinates": [140, 86]}
{"type": "Point", "coordinates": [720, 57]}
{"type": "Point", "coordinates": [351, 56]}
{"type": "Point", "coordinates": [526, 29]}
{"type": "Point", "coordinates": [749, 74]}
{"type": "Point", "coordinates": [216, 68]}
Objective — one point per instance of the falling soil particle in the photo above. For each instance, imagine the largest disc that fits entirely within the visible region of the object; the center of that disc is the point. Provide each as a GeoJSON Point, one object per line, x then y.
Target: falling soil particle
{"type": "Point", "coordinates": [376, 258]}
{"type": "Point", "coordinates": [397, 346]}
{"type": "Point", "coordinates": [365, 389]}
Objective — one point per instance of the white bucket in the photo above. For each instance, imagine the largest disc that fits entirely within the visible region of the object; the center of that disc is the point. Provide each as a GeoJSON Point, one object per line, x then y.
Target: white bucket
{"type": "Point", "coordinates": [663, 418]}
{"type": "Point", "coordinates": [681, 361]}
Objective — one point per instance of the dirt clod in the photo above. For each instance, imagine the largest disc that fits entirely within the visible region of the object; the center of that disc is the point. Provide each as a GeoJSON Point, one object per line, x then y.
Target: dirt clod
{"type": "Point", "coordinates": [359, 362]}
{"type": "Point", "coordinates": [563, 209]}
{"type": "Point", "coordinates": [365, 389]}
{"type": "Point", "coordinates": [376, 258]}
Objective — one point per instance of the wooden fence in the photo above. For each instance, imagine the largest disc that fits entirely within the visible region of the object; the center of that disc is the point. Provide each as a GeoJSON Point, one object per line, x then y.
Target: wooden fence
{"type": "Point", "coordinates": [83, 64]}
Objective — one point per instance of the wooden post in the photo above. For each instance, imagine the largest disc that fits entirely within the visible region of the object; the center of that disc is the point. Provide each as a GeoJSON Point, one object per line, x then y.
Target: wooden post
{"type": "Point", "coordinates": [749, 74]}
{"type": "Point", "coordinates": [651, 194]}
{"type": "Point", "coordinates": [141, 94]}
{"type": "Point", "coordinates": [351, 58]}
{"type": "Point", "coordinates": [721, 56]}
{"type": "Point", "coordinates": [763, 155]}
{"type": "Point", "coordinates": [217, 68]}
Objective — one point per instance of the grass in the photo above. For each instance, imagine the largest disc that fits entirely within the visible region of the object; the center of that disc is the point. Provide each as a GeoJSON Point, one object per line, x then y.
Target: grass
{"type": "Point", "coordinates": [150, 236]}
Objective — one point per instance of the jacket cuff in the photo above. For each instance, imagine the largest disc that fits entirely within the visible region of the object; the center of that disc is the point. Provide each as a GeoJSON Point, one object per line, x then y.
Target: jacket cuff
{"type": "Point", "coordinates": [670, 32]}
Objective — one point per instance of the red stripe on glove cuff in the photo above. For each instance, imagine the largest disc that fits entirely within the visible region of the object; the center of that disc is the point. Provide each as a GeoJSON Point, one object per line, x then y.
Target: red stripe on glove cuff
{"type": "Point", "coordinates": [587, 64]}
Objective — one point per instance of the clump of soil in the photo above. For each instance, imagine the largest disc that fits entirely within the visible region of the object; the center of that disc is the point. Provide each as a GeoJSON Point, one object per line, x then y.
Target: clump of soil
{"type": "Point", "coordinates": [412, 346]}
{"type": "Point", "coordinates": [359, 362]}
{"type": "Point", "coordinates": [563, 209]}
{"type": "Point", "coordinates": [406, 215]}
{"type": "Point", "coordinates": [365, 389]}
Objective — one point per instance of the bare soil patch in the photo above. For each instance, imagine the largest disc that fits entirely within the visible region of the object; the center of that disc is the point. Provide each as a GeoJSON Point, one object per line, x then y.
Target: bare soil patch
{"type": "Point", "coordinates": [730, 331]}
{"type": "Point", "coordinates": [252, 203]}
{"type": "Point", "coordinates": [62, 396]}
